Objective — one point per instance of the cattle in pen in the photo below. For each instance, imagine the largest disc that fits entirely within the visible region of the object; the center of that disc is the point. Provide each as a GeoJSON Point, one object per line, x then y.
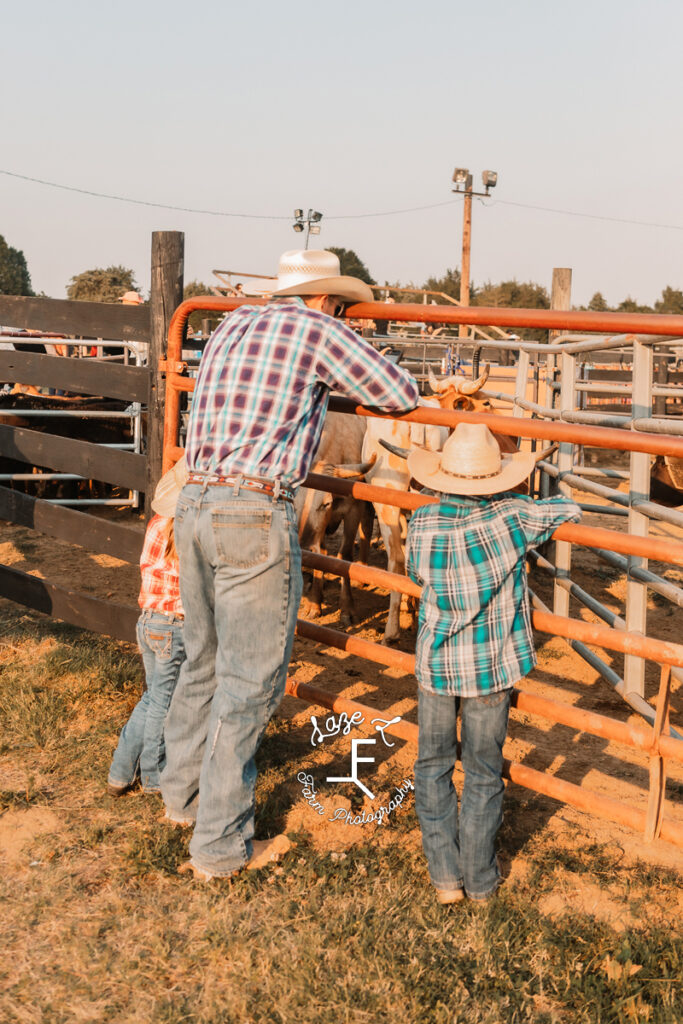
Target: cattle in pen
{"type": "Point", "coordinates": [320, 513]}
{"type": "Point", "coordinates": [390, 470]}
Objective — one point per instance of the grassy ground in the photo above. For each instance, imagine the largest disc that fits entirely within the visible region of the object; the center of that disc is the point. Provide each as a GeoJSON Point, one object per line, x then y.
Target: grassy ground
{"type": "Point", "coordinates": [98, 925]}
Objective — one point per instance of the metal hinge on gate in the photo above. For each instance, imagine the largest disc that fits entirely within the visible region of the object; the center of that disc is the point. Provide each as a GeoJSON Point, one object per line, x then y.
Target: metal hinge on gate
{"type": "Point", "coordinates": [167, 366]}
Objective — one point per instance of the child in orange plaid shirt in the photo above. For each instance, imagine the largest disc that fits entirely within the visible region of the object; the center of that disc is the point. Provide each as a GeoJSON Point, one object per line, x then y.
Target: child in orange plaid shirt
{"type": "Point", "coordinates": [140, 749]}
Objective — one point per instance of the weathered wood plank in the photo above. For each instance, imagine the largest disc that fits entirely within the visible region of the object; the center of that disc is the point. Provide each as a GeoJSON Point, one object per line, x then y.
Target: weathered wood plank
{"type": "Point", "coordinates": [168, 249]}
{"type": "Point", "coordinates": [115, 620]}
{"type": "Point", "coordinates": [107, 320]}
{"type": "Point", "coordinates": [80, 376]}
{"type": "Point", "coordinates": [67, 524]}
{"type": "Point", "coordinates": [66, 455]}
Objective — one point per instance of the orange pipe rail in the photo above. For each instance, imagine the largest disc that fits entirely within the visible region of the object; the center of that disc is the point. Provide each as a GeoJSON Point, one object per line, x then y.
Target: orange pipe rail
{"type": "Point", "coordinates": [588, 536]}
{"type": "Point", "coordinates": [661, 651]}
{"type": "Point", "coordinates": [529, 778]}
{"type": "Point", "coordinates": [576, 433]}
{"type": "Point", "coordinates": [616, 323]}
{"type": "Point", "coordinates": [671, 654]}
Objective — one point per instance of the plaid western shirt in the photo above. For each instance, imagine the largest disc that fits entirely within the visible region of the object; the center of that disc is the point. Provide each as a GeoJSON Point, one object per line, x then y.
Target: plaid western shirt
{"type": "Point", "coordinates": [263, 388]}
{"type": "Point", "coordinates": [474, 627]}
{"type": "Point", "coordinates": [160, 590]}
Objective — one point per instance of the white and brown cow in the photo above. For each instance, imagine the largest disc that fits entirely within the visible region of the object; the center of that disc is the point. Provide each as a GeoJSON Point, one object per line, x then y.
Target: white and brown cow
{"type": "Point", "coordinates": [320, 513]}
{"type": "Point", "coordinates": [390, 470]}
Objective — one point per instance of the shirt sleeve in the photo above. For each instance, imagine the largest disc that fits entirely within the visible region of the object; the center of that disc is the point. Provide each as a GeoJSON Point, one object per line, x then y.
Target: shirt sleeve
{"type": "Point", "coordinates": [540, 519]}
{"type": "Point", "coordinates": [411, 557]}
{"type": "Point", "coordinates": [350, 366]}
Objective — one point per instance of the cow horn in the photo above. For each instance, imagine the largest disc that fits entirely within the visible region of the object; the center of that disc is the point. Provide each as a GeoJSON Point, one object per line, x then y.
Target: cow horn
{"type": "Point", "coordinates": [436, 385]}
{"type": "Point", "coordinates": [354, 469]}
{"type": "Point", "coordinates": [469, 387]}
{"type": "Point", "coordinates": [402, 453]}
{"type": "Point", "coordinates": [546, 453]}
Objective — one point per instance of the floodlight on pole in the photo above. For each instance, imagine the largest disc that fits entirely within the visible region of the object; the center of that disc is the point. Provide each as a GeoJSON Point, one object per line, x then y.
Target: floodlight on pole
{"type": "Point", "coordinates": [311, 222]}
{"type": "Point", "coordinates": [462, 180]}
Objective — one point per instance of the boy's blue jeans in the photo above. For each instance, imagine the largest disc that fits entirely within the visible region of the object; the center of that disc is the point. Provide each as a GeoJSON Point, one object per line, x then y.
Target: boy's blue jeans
{"type": "Point", "coordinates": [141, 744]}
{"type": "Point", "coordinates": [240, 582]}
{"type": "Point", "coordinates": [460, 848]}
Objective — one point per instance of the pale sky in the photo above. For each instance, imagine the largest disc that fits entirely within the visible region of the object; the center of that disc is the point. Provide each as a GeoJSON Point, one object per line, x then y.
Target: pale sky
{"type": "Point", "coordinates": [349, 108]}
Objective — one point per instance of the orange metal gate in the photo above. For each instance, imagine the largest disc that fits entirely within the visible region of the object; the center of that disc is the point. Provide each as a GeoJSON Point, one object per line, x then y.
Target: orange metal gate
{"type": "Point", "coordinates": [655, 741]}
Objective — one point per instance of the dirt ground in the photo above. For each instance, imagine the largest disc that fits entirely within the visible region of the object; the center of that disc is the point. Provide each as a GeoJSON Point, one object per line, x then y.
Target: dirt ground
{"type": "Point", "coordinates": [561, 674]}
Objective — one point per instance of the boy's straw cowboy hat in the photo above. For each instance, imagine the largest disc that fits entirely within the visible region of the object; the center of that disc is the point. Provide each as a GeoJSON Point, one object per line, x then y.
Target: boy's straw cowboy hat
{"type": "Point", "coordinates": [317, 272]}
{"type": "Point", "coordinates": [168, 489]}
{"type": "Point", "coordinates": [470, 463]}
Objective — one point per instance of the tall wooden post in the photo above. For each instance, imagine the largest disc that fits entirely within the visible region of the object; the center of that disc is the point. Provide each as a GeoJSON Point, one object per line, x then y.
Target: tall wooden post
{"type": "Point", "coordinates": [466, 249]}
{"type": "Point", "coordinates": [560, 298]}
{"type": "Point", "coordinates": [168, 248]}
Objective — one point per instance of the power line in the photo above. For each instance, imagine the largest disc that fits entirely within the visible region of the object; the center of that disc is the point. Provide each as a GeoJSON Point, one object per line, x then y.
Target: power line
{"type": "Point", "coordinates": [588, 216]}
{"type": "Point", "coordinates": [341, 216]}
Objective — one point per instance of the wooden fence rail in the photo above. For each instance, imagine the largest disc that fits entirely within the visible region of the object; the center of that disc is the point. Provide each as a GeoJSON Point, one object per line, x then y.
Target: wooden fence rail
{"type": "Point", "coordinates": [107, 320]}
{"type": "Point", "coordinates": [80, 376]}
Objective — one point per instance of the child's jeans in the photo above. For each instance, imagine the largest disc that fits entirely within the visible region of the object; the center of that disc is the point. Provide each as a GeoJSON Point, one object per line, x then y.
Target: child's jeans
{"type": "Point", "coordinates": [460, 849]}
{"type": "Point", "coordinates": [141, 744]}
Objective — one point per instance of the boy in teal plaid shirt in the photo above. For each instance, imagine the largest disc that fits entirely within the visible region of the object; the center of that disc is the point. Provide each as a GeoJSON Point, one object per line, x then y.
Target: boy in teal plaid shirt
{"type": "Point", "coordinates": [468, 552]}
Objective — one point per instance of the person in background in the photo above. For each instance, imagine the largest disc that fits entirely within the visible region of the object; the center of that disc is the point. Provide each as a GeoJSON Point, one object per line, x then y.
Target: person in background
{"type": "Point", "coordinates": [140, 750]}
{"type": "Point", "coordinates": [257, 414]}
{"type": "Point", "coordinates": [468, 552]}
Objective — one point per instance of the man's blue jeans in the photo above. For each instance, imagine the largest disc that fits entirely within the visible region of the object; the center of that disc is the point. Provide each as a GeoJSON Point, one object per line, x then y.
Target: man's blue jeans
{"type": "Point", "coordinates": [141, 744]}
{"type": "Point", "coordinates": [240, 583]}
{"type": "Point", "coordinates": [460, 849]}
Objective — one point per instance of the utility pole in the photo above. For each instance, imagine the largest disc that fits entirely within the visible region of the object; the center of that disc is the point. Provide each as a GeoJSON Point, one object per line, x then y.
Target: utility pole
{"type": "Point", "coordinates": [462, 177]}
{"type": "Point", "coordinates": [466, 249]}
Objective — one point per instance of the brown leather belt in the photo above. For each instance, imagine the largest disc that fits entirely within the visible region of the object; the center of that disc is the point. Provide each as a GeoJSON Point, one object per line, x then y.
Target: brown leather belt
{"type": "Point", "coordinates": [273, 488]}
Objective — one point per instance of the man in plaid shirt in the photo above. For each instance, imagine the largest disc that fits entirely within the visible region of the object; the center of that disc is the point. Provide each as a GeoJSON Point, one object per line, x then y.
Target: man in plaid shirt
{"type": "Point", "coordinates": [474, 642]}
{"type": "Point", "coordinates": [255, 423]}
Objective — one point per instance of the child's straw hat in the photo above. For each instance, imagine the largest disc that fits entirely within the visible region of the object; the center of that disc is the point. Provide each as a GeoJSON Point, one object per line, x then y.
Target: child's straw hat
{"type": "Point", "coordinates": [168, 489]}
{"type": "Point", "coordinates": [470, 463]}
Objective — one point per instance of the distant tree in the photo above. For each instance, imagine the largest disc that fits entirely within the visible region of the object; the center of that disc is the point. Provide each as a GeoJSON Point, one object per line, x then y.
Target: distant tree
{"type": "Point", "coordinates": [14, 276]}
{"type": "Point", "coordinates": [671, 301]}
{"type": "Point", "coordinates": [101, 285]}
{"type": "Point", "coordinates": [191, 289]}
{"type": "Point", "coordinates": [351, 264]}
{"type": "Point", "coordinates": [449, 284]}
{"type": "Point", "coordinates": [526, 295]}
{"type": "Point", "coordinates": [598, 304]}
{"type": "Point", "coordinates": [629, 305]}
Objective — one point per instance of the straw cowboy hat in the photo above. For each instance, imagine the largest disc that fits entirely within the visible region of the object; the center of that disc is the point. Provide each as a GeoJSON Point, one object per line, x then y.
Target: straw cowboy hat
{"type": "Point", "coordinates": [131, 299]}
{"type": "Point", "coordinates": [317, 272]}
{"type": "Point", "coordinates": [168, 489]}
{"type": "Point", "coordinates": [470, 463]}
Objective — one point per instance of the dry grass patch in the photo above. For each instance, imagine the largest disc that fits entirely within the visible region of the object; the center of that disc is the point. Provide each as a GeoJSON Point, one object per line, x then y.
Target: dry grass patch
{"type": "Point", "coordinates": [99, 927]}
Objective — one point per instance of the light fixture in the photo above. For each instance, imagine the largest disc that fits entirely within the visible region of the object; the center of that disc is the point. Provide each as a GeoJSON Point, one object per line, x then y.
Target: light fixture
{"type": "Point", "coordinates": [460, 175]}
{"type": "Point", "coordinates": [315, 229]}
{"type": "Point", "coordinates": [298, 226]}
{"type": "Point", "coordinates": [299, 214]}
{"type": "Point", "coordinates": [314, 216]}
{"type": "Point", "coordinates": [489, 179]}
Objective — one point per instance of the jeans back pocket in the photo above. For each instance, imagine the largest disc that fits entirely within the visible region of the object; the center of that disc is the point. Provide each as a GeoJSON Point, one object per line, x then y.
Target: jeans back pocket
{"type": "Point", "coordinates": [242, 535]}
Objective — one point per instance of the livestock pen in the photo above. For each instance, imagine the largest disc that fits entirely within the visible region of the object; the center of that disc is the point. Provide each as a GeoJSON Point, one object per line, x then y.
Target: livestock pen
{"type": "Point", "coordinates": [658, 739]}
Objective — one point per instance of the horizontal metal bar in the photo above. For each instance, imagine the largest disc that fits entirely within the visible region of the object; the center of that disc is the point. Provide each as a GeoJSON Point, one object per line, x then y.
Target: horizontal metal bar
{"type": "Point", "coordinates": [651, 509]}
{"type": "Point", "coordinates": [656, 425]}
{"type": "Point", "coordinates": [655, 582]}
{"type": "Point", "coordinates": [603, 510]}
{"type": "Point", "coordinates": [597, 607]}
{"type": "Point", "coordinates": [593, 437]}
{"type": "Point", "coordinates": [92, 501]}
{"type": "Point", "coordinates": [634, 700]}
{"type": "Point", "coordinates": [84, 414]}
{"type": "Point", "coordinates": [619, 421]}
{"type": "Point", "coordinates": [614, 474]}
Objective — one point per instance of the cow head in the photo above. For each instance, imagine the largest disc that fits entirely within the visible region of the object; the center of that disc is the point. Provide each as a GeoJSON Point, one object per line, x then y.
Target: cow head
{"type": "Point", "coordinates": [456, 392]}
